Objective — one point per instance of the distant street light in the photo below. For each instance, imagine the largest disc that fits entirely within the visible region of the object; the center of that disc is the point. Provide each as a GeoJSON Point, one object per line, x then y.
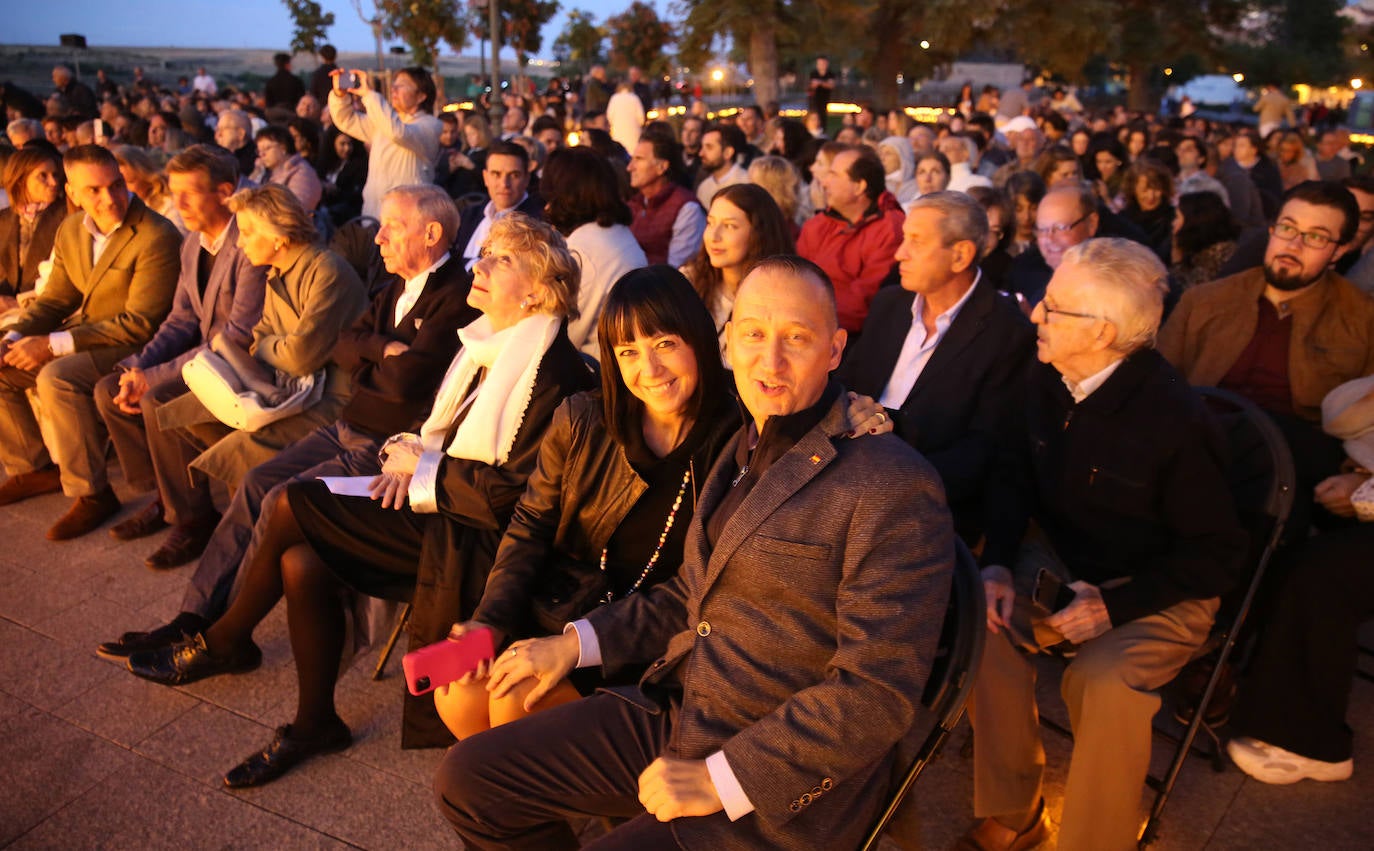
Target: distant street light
{"type": "Point", "coordinates": [1357, 83]}
{"type": "Point", "coordinates": [1238, 77]}
{"type": "Point", "coordinates": [1168, 72]}
{"type": "Point", "coordinates": [925, 45]}
{"type": "Point", "coordinates": [717, 75]}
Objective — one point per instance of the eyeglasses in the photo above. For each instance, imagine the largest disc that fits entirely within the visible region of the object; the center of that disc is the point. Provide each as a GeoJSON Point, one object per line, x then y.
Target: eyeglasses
{"type": "Point", "coordinates": [1060, 230]}
{"type": "Point", "coordinates": [1314, 239]}
{"type": "Point", "coordinates": [1054, 311]}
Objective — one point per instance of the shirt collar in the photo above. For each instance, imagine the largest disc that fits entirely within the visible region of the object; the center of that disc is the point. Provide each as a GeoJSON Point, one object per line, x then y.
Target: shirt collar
{"type": "Point", "coordinates": [214, 245]}
{"type": "Point", "coordinates": [417, 283]}
{"type": "Point", "coordinates": [944, 319]}
{"type": "Point", "coordinates": [1087, 386]}
{"type": "Point", "coordinates": [490, 211]}
{"type": "Point", "coordinates": [94, 230]}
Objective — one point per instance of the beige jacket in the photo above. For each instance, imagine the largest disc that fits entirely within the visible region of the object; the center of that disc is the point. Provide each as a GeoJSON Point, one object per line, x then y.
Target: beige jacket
{"type": "Point", "coordinates": [1332, 342]}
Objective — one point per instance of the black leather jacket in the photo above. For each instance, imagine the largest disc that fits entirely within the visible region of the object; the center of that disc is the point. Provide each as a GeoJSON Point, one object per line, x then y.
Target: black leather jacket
{"type": "Point", "coordinates": [579, 493]}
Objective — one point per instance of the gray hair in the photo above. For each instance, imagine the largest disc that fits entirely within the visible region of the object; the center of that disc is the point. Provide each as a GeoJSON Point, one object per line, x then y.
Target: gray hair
{"type": "Point", "coordinates": [1130, 284]}
{"type": "Point", "coordinates": [30, 128]}
{"type": "Point", "coordinates": [961, 218]}
{"type": "Point", "coordinates": [432, 204]}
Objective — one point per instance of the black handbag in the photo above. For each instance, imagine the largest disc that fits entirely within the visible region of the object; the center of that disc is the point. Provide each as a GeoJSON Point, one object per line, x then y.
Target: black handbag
{"type": "Point", "coordinates": [568, 590]}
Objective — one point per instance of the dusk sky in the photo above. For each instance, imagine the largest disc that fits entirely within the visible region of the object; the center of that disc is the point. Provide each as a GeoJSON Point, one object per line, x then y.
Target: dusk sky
{"type": "Point", "coordinates": [214, 23]}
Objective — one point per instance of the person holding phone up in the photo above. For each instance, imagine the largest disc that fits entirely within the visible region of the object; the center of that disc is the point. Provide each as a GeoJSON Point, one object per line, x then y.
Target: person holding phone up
{"type": "Point", "coordinates": [401, 132]}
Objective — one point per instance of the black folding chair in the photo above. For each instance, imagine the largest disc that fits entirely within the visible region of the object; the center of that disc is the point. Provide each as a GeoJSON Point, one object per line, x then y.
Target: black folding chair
{"type": "Point", "coordinates": [1262, 481]}
{"type": "Point", "coordinates": [951, 676]}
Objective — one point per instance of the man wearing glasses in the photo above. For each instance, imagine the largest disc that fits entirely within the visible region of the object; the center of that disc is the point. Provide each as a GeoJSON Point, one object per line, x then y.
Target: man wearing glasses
{"type": "Point", "coordinates": [1067, 216]}
{"type": "Point", "coordinates": [1110, 535]}
{"type": "Point", "coordinates": [1286, 333]}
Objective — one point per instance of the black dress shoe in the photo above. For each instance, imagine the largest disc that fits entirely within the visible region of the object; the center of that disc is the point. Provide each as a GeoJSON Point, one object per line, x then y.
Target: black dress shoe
{"type": "Point", "coordinates": [189, 661]}
{"type": "Point", "coordinates": [141, 525]}
{"type": "Point", "coordinates": [184, 545]}
{"type": "Point", "coordinates": [184, 626]}
{"type": "Point", "coordinates": [283, 754]}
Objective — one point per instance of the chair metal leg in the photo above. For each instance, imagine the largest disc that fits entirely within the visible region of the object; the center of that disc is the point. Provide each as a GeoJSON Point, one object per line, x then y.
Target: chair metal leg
{"type": "Point", "coordinates": [391, 643]}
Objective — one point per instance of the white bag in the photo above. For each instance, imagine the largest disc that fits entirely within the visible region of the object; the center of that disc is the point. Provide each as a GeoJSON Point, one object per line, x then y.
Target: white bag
{"type": "Point", "coordinates": [219, 389]}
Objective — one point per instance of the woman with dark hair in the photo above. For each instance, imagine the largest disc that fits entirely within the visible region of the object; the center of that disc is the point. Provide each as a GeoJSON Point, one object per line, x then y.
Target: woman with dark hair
{"type": "Point", "coordinates": [1058, 165]}
{"type": "Point", "coordinates": [34, 180]}
{"type": "Point", "coordinates": [401, 132]}
{"type": "Point", "coordinates": [1108, 158]}
{"type": "Point", "coordinates": [583, 202]}
{"type": "Point", "coordinates": [744, 225]}
{"type": "Point", "coordinates": [1149, 188]}
{"type": "Point", "coordinates": [607, 508]}
{"type": "Point", "coordinates": [432, 523]}
{"type": "Point", "coordinates": [1204, 238]}
{"type": "Point", "coordinates": [279, 163]}
{"type": "Point", "coordinates": [343, 173]}
{"type": "Point", "coordinates": [1025, 190]}
{"type": "Point", "coordinates": [306, 133]}
{"type": "Point", "coordinates": [996, 262]}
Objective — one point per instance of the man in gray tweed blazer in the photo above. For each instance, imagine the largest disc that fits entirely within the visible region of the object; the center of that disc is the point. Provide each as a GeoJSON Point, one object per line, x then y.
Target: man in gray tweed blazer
{"type": "Point", "coordinates": [791, 649]}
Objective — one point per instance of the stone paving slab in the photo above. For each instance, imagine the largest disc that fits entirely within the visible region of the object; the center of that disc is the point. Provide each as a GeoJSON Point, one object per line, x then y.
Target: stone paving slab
{"type": "Point", "coordinates": [99, 759]}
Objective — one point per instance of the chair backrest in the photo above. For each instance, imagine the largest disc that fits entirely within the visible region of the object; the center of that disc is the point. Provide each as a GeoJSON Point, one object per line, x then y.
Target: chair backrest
{"type": "Point", "coordinates": [961, 640]}
{"type": "Point", "coordinates": [947, 688]}
{"type": "Point", "coordinates": [1263, 482]}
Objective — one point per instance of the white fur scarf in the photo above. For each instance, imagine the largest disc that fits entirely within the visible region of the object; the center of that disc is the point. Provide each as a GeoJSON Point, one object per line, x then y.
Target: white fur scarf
{"type": "Point", "coordinates": [511, 358]}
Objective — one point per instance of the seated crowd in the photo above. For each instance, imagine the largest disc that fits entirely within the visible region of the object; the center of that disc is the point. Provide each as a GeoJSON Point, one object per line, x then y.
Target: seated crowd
{"type": "Point", "coordinates": [693, 417]}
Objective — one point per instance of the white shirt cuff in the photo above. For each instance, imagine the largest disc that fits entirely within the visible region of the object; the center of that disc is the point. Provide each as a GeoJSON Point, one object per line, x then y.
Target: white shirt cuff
{"type": "Point", "coordinates": [12, 336]}
{"type": "Point", "coordinates": [737, 804]}
{"type": "Point", "coordinates": [422, 495]}
{"type": "Point", "coordinates": [61, 343]}
{"type": "Point", "coordinates": [588, 647]}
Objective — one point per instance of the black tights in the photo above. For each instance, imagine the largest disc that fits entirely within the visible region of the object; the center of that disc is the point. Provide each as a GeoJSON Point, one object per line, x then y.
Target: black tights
{"type": "Point", "coordinates": [286, 565]}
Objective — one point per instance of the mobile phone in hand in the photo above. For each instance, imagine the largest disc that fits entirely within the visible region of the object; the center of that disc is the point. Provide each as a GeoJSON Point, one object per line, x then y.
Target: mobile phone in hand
{"type": "Point", "coordinates": [446, 661]}
{"type": "Point", "coordinates": [345, 81]}
{"type": "Point", "coordinates": [1051, 592]}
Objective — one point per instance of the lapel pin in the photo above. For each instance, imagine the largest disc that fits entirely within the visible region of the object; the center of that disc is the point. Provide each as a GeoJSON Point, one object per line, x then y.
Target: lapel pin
{"type": "Point", "coordinates": [815, 459]}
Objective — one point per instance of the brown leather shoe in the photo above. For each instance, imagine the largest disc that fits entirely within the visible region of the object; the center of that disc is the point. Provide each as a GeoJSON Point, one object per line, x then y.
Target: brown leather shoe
{"type": "Point", "coordinates": [141, 525]}
{"type": "Point", "coordinates": [86, 514]}
{"type": "Point", "coordinates": [185, 544]}
{"type": "Point", "coordinates": [991, 835]}
{"type": "Point", "coordinates": [25, 485]}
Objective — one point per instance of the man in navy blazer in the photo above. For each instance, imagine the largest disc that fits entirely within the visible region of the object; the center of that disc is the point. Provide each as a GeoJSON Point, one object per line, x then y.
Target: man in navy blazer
{"type": "Point", "coordinates": [945, 353]}
{"type": "Point", "coordinates": [506, 176]}
{"type": "Point", "coordinates": [218, 291]}
{"type": "Point", "coordinates": [792, 646]}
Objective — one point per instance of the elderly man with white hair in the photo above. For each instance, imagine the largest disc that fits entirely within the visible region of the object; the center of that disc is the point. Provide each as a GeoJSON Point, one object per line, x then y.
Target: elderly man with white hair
{"type": "Point", "coordinates": [1110, 536]}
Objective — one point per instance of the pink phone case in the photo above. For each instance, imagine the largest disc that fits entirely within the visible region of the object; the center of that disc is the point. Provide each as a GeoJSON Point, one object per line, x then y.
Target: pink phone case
{"type": "Point", "coordinates": [446, 661]}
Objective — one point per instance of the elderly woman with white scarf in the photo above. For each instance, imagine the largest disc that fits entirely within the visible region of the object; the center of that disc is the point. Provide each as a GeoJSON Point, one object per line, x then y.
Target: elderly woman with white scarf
{"type": "Point", "coordinates": [429, 530]}
{"type": "Point", "coordinates": [899, 161]}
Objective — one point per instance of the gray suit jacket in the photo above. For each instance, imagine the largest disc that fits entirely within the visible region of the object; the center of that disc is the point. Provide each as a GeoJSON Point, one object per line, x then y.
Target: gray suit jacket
{"type": "Point", "coordinates": [804, 639]}
{"type": "Point", "coordinates": [232, 303]}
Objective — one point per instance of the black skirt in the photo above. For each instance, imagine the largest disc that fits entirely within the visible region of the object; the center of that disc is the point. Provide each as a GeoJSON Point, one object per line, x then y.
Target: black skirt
{"type": "Point", "coordinates": [371, 549]}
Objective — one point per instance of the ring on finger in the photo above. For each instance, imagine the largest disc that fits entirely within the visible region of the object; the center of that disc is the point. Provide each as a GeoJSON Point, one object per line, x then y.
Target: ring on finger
{"type": "Point", "coordinates": [882, 417]}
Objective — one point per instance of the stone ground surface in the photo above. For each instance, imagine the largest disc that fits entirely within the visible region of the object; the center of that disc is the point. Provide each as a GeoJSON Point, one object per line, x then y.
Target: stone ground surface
{"type": "Point", "coordinates": [95, 758]}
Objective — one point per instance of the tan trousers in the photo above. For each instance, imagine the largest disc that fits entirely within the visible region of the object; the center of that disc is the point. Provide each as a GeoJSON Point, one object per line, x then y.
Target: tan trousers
{"type": "Point", "coordinates": [1109, 689]}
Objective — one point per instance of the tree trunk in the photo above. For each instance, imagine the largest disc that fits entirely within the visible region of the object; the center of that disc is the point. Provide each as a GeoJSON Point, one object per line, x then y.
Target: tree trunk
{"type": "Point", "coordinates": [1139, 94]}
{"type": "Point", "coordinates": [887, 62]}
{"type": "Point", "coordinates": [763, 60]}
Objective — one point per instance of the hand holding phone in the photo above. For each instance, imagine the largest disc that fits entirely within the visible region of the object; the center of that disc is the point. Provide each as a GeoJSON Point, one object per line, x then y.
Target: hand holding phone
{"type": "Point", "coordinates": [1051, 592]}
{"type": "Point", "coordinates": [446, 661]}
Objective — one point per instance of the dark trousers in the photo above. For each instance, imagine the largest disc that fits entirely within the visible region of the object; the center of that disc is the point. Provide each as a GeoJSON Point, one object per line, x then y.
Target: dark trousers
{"type": "Point", "coordinates": [128, 432]}
{"type": "Point", "coordinates": [1297, 690]}
{"type": "Point", "coordinates": [334, 450]}
{"type": "Point", "coordinates": [514, 787]}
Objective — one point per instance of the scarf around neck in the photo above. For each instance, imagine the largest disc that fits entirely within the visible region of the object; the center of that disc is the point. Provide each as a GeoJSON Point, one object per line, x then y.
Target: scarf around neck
{"type": "Point", "coordinates": [511, 359]}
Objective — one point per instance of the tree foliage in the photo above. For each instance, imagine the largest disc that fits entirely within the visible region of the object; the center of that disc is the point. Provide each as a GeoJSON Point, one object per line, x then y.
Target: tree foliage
{"type": "Point", "coordinates": [309, 21]}
{"type": "Point", "coordinates": [1296, 41]}
{"type": "Point", "coordinates": [422, 25]}
{"type": "Point", "coordinates": [522, 25]}
{"type": "Point", "coordinates": [639, 37]}
{"type": "Point", "coordinates": [582, 42]}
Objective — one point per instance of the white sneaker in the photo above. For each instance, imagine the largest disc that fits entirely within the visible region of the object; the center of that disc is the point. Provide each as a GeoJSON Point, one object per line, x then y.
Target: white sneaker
{"type": "Point", "coordinates": [1272, 764]}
